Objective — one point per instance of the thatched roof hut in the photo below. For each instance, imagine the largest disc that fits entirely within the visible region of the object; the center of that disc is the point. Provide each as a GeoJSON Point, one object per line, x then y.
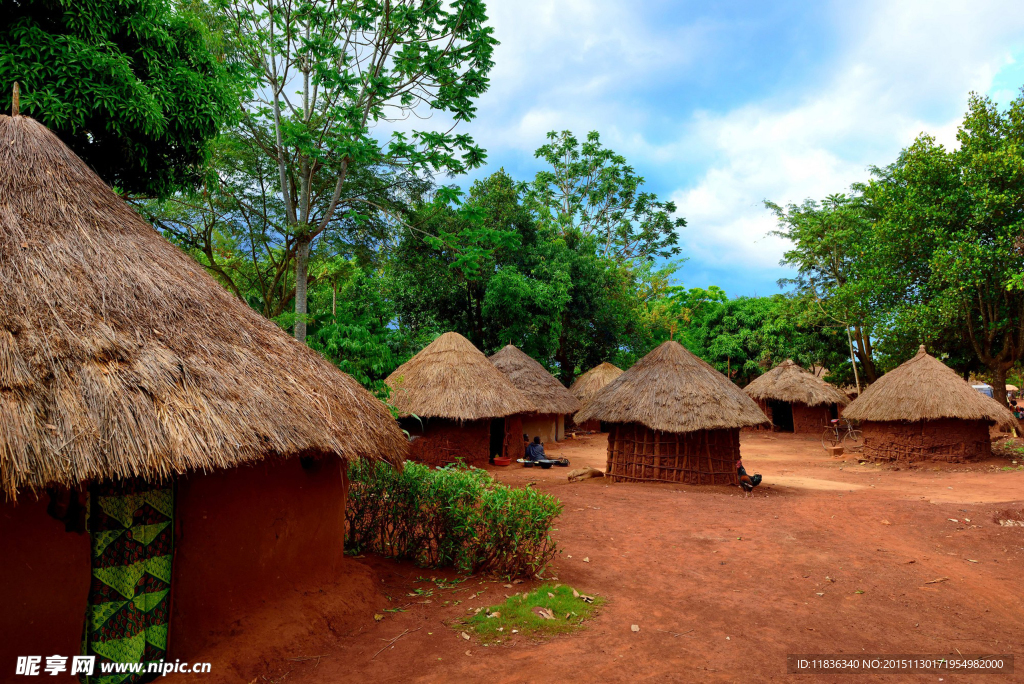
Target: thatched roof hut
{"type": "Point", "coordinates": [550, 399]}
{"type": "Point", "coordinates": [924, 388]}
{"type": "Point", "coordinates": [672, 390]}
{"type": "Point", "coordinates": [791, 383]}
{"type": "Point", "coordinates": [450, 378]}
{"type": "Point", "coordinates": [120, 356]}
{"type": "Point", "coordinates": [796, 400]}
{"type": "Point", "coordinates": [541, 388]}
{"type": "Point", "coordinates": [674, 419]}
{"type": "Point", "coordinates": [457, 405]}
{"type": "Point", "coordinates": [131, 385]}
{"type": "Point", "coordinates": [923, 409]}
{"type": "Point", "coordinates": [590, 383]}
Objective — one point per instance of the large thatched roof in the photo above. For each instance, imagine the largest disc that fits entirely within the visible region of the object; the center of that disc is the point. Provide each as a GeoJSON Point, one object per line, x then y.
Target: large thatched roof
{"type": "Point", "coordinates": [672, 390]}
{"type": "Point", "coordinates": [120, 356]}
{"type": "Point", "coordinates": [594, 380]}
{"type": "Point", "coordinates": [546, 393]}
{"type": "Point", "coordinates": [450, 378]}
{"type": "Point", "coordinates": [924, 388]}
{"type": "Point", "coordinates": [789, 382]}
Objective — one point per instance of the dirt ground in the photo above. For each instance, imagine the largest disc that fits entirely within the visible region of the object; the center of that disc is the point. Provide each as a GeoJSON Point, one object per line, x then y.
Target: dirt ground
{"type": "Point", "coordinates": [828, 556]}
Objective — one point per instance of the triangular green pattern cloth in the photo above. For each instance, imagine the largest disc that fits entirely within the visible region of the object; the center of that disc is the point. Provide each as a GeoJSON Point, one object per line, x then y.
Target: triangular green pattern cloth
{"type": "Point", "coordinates": [129, 561]}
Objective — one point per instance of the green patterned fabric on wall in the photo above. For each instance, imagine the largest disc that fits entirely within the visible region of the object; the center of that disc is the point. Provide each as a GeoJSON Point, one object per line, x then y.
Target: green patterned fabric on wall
{"type": "Point", "coordinates": [131, 524]}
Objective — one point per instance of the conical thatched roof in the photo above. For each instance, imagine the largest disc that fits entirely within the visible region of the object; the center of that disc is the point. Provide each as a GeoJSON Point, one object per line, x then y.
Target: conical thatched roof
{"type": "Point", "coordinates": [120, 356]}
{"type": "Point", "coordinates": [789, 382]}
{"type": "Point", "coordinates": [450, 378]}
{"type": "Point", "coordinates": [541, 388]}
{"type": "Point", "coordinates": [672, 390]}
{"type": "Point", "coordinates": [594, 380]}
{"type": "Point", "coordinates": [924, 388]}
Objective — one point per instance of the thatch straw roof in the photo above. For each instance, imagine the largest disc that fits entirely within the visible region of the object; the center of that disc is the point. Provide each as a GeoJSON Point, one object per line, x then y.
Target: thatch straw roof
{"type": "Point", "coordinates": [120, 356]}
{"type": "Point", "coordinates": [924, 388]}
{"type": "Point", "coordinates": [545, 392]}
{"type": "Point", "coordinates": [590, 383]}
{"type": "Point", "coordinates": [450, 378]}
{"type": "Point", "coordinates": [789, 382]}
{"type": "Point", "coordinates": [672, 390]}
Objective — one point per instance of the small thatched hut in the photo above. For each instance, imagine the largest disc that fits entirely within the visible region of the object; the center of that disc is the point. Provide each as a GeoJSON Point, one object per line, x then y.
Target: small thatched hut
{"type": "Point", "coordinates": [673, 418]}
{"type": "Point", "coordinates": [551, 401]}
{"type": "Point", "coordinates": [923, 410]}
{"type": "Point", "coordinates": [589, 384]}
{"type": "Point", "coordinates": [796, 400]}
{"type": "Point", "coordinates": [456, 405]}
{"type": "Point", "coordinates": [204, 447]}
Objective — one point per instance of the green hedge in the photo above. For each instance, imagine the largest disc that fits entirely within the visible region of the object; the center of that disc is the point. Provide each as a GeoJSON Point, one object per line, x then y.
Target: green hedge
{"type": "Point", "coordinates": [454, 516]}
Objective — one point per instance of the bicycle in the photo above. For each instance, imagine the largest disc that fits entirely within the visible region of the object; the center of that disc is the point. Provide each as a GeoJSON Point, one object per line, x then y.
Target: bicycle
{"type": "Point", "coordinates": [852, 440]}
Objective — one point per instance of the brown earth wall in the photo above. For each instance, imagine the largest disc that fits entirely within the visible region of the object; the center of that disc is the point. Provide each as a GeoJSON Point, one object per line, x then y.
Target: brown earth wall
{"type": "Point", "coordinates": [810, 419]}
{"type": "Point", "coordinates": [251, 536]}
{"type": "Point", "coordinates": [440, 442]}
{"type": "Point", "coordinates": [545, 425]}
{"type": "Point", "coordinates": [638, 454]}
{"type": "Point", "coordinates": [953, 441]}
{"type": "Point", "coordinates": [44, 584]}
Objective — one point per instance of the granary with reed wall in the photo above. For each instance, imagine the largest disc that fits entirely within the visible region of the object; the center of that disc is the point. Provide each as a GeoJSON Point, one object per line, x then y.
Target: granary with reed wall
{"type": "Point", "coordinates": [586, 387]}
{"type": "Point", "coordinates": [456, 405]}
{"type": "Point", "coordinates": [551, 401]}
{"type": "Point", "coordinates": [924, 411]}
{"type": "Point", "coordinates": [796, 400]}
{"type": "Point", "coordinates": [158, 438]}
{"type": "Point", "coordinates": [673, 418]}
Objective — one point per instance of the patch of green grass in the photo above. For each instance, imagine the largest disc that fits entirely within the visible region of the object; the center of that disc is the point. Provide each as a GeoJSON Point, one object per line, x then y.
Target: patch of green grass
{"type": "Point", "coordinates": [520, 615]}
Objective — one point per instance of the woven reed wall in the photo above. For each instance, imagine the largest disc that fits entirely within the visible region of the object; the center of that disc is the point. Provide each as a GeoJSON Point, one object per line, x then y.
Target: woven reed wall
{"type": "Point", "coordinates": [638, 454]}
{"type": "Point", "coordinates": [952, 441]}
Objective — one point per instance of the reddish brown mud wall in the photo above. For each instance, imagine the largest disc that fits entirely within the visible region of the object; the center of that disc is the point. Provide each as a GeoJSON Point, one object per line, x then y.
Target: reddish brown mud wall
{"type": "Point", "coordinates": [545, 426]}
{"type": "Point", "coordinates": [639, 454]}
{"type": "Point", "coordinates": [249, 537]}
{"type": "Point", "coordinates": [44, 584]}
{"type": "Point", "coordinates": [441, 442]}
{"type": "Point", "coordinates": [810, 419]}
{"type": "Point", "coordinates": [953, 441]}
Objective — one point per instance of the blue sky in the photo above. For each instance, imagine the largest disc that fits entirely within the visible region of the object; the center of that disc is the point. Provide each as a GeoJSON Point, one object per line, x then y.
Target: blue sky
{"type": "Point", "coordinates": [721, 105]}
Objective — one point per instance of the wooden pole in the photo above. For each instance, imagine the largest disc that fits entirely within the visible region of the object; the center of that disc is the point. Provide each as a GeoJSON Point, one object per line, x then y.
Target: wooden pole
{"type": "Point", "coordinates": [16, 100]}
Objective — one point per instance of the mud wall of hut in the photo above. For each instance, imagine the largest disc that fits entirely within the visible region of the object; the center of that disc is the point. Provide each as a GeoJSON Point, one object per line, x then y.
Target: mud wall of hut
{"type": "Point", "coordinates": [638, 454]}
{"type": "Point", "coordinates": [251, 536]}
{"type": "Point", "coordinates": [810, 419]}
{"type": "Point", "coordinates": [953, 441]}
{"type": "Point", "coordinates": [548, 426]}
{"type": "Point", "coordinates": [44, 583]}
{"type": "Point", "coordinates": [439, 442]}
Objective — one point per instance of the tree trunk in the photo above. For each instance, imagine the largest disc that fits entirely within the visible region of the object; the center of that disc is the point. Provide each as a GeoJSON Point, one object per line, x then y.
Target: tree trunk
{"type": "Point", "coordinates": [301, 283]}
{"type": "Point", "coordinates": [999, 384]}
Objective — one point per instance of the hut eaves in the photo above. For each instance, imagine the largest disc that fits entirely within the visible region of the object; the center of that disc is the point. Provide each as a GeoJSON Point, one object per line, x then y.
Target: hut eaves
{"type": "Point", "coordinates": [791, 383]}
{"type": "Point", "coordinates": [541, 388]}
{"type": "Point", "coordinates": [120, 356]}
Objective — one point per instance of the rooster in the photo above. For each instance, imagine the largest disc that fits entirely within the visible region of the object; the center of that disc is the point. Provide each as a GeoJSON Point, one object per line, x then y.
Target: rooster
{"type": "Point", "coordinates": [747, 482]}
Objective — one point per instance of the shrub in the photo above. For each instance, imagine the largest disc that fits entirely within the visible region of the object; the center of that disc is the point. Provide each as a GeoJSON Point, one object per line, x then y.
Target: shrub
{"type": "Point", "coordinates": [454, 516]}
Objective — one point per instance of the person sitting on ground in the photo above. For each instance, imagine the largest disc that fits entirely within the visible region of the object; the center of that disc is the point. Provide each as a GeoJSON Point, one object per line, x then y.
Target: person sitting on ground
{"type": "Point", "coordinates": [535, 451]}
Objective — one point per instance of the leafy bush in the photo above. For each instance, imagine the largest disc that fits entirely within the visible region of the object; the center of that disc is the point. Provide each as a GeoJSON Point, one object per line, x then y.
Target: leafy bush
{"type": "Point", "coordinates": [453, 516]}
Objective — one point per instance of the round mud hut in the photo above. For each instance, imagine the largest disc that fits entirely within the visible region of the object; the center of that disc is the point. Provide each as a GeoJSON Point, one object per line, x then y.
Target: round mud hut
{"type": "Point", "coordinates": [795, 400]}
{"type": "Point", "coordinates": [924, 411]}
{"type": "Point", "coordinates": [589, 384]}
{"type": "Point", "coordinates": [551, 401]}
{"type": "Point", "coordinates": [456, 405]}
{"type": "Point", "coordinates": [673, 418]}
{"type": "Point", "coordinates": [158, 438]}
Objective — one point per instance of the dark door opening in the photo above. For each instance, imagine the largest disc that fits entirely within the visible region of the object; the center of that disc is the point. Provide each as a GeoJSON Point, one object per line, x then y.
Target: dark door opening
{"type": "Point", "coordinates": [782, 415]}
{"type": "Point", "coordinates": [497, 446]}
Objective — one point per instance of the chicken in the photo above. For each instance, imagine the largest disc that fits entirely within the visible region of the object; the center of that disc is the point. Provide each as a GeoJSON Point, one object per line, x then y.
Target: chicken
{"type": "Point", "coordinates": [747, 482]}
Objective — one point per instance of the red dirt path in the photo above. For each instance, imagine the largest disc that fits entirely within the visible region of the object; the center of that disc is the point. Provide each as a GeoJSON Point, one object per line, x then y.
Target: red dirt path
{"type": "Point", "coordinates": [742, 581]}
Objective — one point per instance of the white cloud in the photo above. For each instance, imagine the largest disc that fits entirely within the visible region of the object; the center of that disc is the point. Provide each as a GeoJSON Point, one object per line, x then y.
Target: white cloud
{"type": "Point", "coordinates": [904, 68]}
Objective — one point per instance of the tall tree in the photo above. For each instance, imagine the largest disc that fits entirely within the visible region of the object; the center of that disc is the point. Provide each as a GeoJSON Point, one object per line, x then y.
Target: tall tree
{"type": "Point", "coordinates": [591, 191]}
{"type": "Point", "coordinates": [829, 241]}
{"type": "Point", "coordinates": [327, 75]}
{"type": "Point", "coordinates": [131, 86]}
{"type": "Point", "coordinates": [950, 222]}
